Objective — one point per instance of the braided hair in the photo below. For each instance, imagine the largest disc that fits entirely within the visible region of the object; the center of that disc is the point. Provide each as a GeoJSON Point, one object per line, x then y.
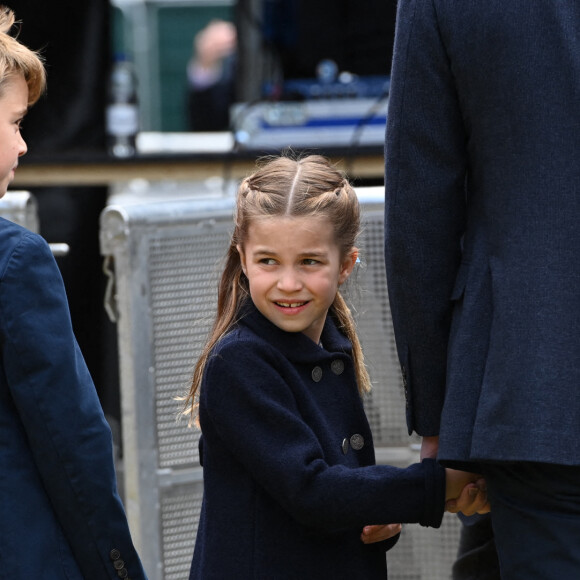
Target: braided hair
{"type": "Point", "coordinates": [285, 187]}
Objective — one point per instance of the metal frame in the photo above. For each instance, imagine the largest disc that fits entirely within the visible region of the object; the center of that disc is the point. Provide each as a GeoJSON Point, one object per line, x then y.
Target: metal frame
{"type": "Point", "coordinates": [20, 207]}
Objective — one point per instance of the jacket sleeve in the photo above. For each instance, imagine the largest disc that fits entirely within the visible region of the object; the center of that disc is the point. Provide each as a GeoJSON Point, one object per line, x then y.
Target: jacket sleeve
{"type": "Point", "coordinates": [256, 414]}
{"type": "Point", "coordinates": [59, 409]}
{"type": "Point", "coordinates": [426, 167]}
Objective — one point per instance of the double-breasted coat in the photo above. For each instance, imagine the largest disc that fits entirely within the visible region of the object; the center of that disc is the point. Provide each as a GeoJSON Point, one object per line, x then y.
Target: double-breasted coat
{"type": "Point", "coordinates": [482, 239]}
{"type": "Point", "coordinates": [60, 514]}
{"type": "Point", "coordinates": [289, 468]}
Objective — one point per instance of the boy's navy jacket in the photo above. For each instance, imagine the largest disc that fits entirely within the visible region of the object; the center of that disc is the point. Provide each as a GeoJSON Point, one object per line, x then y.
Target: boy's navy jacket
{"type": "Point", "coordinates": [60, 515]}
{"type": "Point", "coordinates": [288, 457]}
{"type": "Point", "coordinates": [482, 227]}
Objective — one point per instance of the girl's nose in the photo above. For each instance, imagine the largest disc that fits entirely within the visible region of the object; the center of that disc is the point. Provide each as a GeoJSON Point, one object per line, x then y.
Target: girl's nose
{"type": "Point", "coordinates": [289, 281]}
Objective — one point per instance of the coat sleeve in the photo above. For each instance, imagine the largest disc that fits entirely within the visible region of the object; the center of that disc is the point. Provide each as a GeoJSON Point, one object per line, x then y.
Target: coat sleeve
{"type": "Point", "coordinates": [59, 409]}
{"type": "Point", "coordinates": [255, 412]}
{"type": "Point", "coordinates": [426, 165]}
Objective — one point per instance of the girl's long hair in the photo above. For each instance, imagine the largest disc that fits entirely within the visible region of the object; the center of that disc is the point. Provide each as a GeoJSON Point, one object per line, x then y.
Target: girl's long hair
{"type": "Point", "coordinates": [285, 187]}
{"type": "Point", "coordinates": [15, 59]}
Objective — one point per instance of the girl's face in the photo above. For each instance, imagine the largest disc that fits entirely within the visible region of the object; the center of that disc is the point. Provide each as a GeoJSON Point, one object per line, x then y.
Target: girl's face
{"type": "Point", "coordinates": [13, 107]}
{"type": "Point", "coordinates": [294, 268]}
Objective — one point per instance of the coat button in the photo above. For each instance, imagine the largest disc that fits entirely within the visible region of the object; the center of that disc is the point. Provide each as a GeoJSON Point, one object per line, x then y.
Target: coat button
{"type": "Point", "coordinates": [337, 367]}
{"type": "Point", "coordinates": [345, 445]}
{"type": "Point", "coordinates": [114, 554]}
{"type": "Point", "coordinates": [118, 564]}
{"type": "Point", "coordinates": [316, 374]}
{"type": "Point", "coordinates": [357, 442]}
{"type": "Point", "coordinates": [122, 573]}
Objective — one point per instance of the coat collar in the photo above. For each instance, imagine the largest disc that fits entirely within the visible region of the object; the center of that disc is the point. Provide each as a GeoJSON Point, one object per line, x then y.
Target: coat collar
{"type": "Point", "coordinates": [295, 345]}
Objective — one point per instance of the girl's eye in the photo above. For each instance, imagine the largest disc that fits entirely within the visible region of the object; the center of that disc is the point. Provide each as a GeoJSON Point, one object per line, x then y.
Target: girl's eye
{"type": "Point", "coordinates": [310, 261]}
{"type": "Point", "coordinates": [268, 261]}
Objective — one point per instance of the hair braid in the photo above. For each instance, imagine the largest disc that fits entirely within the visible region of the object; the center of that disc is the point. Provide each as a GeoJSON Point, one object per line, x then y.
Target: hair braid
{"type": "Point", "coordinates": [285, 186]}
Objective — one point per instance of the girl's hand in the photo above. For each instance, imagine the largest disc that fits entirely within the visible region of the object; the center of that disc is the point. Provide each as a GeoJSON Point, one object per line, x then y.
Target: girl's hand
{"type": "Point", "coordinates": [472, 500]}
{"type": "Point", "coordinates": [372, 534]}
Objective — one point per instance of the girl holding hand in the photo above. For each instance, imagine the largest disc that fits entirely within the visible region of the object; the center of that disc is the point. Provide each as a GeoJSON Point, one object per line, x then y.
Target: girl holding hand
{"type": "Point", "coordinates": [291, 488]}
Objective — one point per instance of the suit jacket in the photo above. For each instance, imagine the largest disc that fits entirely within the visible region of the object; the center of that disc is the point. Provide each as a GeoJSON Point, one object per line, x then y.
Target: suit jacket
{"type": "Point", "coordinates": [60, 515]}
{"type": "Point", "coordinates": [482, 239]}
{"type": "Point", "coordinates": [288, 458]}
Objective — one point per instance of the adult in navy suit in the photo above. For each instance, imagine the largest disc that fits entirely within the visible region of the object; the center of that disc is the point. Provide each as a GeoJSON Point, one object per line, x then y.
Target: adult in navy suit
{"type": "Point", "coordinates": [483, 258]}
{"type": "Point", "coordinates": [60, 514]}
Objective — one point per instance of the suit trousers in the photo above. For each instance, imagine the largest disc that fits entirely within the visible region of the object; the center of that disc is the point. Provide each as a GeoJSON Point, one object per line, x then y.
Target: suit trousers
{"type": "Point", "coordinates": [476, 555]}
{"type": "Point", "coordinates": [535, 513]}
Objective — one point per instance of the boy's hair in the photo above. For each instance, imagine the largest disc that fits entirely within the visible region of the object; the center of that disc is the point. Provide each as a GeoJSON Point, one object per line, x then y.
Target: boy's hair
{"type": "Point", "coordinates": [15, 59]}
{"type": "Point", "coordinates": [292, 187]}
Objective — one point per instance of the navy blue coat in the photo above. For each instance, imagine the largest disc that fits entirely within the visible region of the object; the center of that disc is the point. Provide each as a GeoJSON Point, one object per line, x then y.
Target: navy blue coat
{"type": "Point", "coordinates": [482, 238]}
{"type": "Point", "coordinates": [60, 515]}
{"type": "Point", "coordinates": [287, 488]}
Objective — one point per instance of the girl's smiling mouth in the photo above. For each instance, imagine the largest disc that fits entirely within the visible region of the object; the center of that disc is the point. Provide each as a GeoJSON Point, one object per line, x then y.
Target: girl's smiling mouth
{"type": "Point", "coordinates": [290, 304]}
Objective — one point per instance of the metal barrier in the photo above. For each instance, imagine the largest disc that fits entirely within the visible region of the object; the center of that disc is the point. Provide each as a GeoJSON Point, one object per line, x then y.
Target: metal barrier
{"type": "Point", "coordinates": [164, 261]}
{"type": "Point", "coordinates": [21, 208]}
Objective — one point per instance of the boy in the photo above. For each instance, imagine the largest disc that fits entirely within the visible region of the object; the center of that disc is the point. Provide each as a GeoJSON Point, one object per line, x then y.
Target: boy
{"type": "Point", "coordinates": [60, 514]}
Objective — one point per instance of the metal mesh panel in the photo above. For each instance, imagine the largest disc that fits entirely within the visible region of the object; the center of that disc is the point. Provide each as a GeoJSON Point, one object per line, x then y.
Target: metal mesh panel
{"type": "Point", "coordinates": [170, 294]}
{"type": "Point", "coordinates": [180, 508]}
{"type": "Point", "coordinates": [183, 275]}
{"type": "Point", "coordinates": [386, 405]}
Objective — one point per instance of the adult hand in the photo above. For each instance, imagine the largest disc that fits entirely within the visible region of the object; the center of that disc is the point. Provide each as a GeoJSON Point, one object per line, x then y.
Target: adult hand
{"type": "Point", "coordinates": [473, 500]}
{"type": "Point", "coordinates": [465, 492]}
{"type": "Point", "coordinates": [372, 534]}
{"type": "Point", "coordinates": [429, 447]}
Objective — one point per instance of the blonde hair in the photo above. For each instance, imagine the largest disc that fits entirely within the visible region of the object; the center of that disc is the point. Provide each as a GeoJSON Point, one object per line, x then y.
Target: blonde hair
{"type": "Point", "coordinates": [294, 187]}
{"type": "Point", "coordinates": [15, 59]}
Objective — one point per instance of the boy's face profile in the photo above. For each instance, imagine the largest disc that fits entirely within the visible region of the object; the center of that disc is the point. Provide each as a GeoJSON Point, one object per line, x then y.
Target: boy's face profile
{"type": "Point", "coordinates": [13, 107]}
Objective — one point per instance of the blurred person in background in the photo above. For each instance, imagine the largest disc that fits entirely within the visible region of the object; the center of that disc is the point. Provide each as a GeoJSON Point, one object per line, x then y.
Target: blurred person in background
{"type": "Point", "coordinates": [211, 77]}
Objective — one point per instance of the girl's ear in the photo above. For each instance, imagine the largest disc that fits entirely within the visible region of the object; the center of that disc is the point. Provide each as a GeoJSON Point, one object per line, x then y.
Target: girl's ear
{"type": "Point", "coordinates": [242, 257]}
{"type": "Point", "coordinates": [347, 265]}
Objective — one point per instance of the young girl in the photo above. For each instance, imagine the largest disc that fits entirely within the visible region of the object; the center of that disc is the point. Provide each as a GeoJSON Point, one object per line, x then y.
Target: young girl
{"type": "Point", "coordinates": [289, 469]}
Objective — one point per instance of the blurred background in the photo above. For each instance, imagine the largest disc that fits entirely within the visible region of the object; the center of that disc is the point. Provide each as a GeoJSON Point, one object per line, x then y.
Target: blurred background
{"type": "Point", "coordinates": [277, 41]}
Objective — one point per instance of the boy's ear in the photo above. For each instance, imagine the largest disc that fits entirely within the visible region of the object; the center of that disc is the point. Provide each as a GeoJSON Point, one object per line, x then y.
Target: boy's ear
{"type": "Point", "coordinates": [347, 265]}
